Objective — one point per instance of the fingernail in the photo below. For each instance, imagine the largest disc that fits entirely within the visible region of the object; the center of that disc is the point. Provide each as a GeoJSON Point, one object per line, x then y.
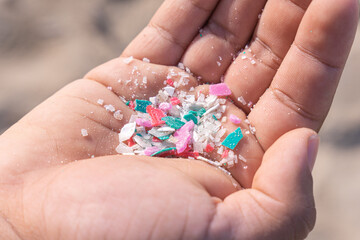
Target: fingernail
{"type": "Point", "coordinates": [313, 146]}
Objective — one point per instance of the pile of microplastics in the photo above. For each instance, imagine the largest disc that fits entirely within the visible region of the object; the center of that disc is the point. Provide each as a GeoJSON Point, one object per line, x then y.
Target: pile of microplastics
{"type": "Point", "coordinates": [176, 124]}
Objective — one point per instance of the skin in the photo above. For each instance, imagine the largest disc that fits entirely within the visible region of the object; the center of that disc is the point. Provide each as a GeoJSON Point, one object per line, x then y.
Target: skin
{"type": "Point", "coordinates": [51, 188]}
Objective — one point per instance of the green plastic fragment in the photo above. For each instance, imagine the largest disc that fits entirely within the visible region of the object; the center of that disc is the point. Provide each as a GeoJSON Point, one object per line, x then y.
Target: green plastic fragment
{"type": "Point", "coordinates": [164, 150]}
{"type": "Point", "coordinates": [127, 103]}
{"type": "Point", "coordinates": [163, 138]}
{"type": "Point", "coordinates": [214, 117]}
{"type": "Point", "coordinates": [173, 122]}
{"type": "Point", "coordinates": [140, 105]}
{"type": "Point", "coordinates": [191, 117]}
{"type": "Point", "coordinates": [232, 140]}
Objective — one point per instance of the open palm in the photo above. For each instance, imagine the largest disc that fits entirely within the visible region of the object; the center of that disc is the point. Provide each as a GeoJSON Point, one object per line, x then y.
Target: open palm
{"type": "Point", "coordinates": [57, 184]}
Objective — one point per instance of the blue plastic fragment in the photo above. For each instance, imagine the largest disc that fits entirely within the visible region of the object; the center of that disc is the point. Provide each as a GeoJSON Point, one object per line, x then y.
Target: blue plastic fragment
{"type": "Point", "coordinates": [140, 105]}
{"type": "Point", "coordinates": [232, 140]}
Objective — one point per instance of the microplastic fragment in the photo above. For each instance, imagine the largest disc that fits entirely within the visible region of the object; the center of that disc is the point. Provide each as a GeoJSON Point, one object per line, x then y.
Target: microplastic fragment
{"type": "Point", "coordinates": [225, 154]}
{"type": "Point", "coordinates": [173, 122]}
{"type": "Point", "coordinates": [118, 115]}
{"type": "Point", "coordinates": [128, 60]}
{"type": "Point", "coordinates": [169, 90]}
{"type": "Point", "coordinates": [232, 140]}
{"type": "Point", "coordinates": [220, 89]}
{"type": "Point", "coordinates": [146, 60]}
{"type": "Point", "coordinates": [143, 122]}
{"type": "Point", "coordinates": [140, 105]}
{"type": "Point", "coordinates": [201, 112]}
{"type": "Point", "coordinates": [163, 151]}
{"type": "Point", "coordinates": [100, 101]}
{"type": "Point", "coordinates": [170, 82]}
{"type": "Point", "coordinates": [84, 133]}
{"type": "Point", "coordinates": [175, 101]}
{"type": "Point", "coordinates": [191, 117]}
{"type": "Point", "coordinates": [183, 141]}
{"type": "Point", "coordinates": [234, 119]}
{"type": "Point", "coordinates": [164, 138]}
{"type": "Point", "coordinates": [127, 131]}
{"type": "Point", "coordinates": [156, 115]}
{"type": "Point", "coordinates": [109, 108]}
{"type": "Point", "coordinates": [165, 106]}
{"type": "Point", "coordinates": [132, 105]}
{"type": "Point", "coordinates": [209, 148]}
{"type": "Point", "coordinates": [151, 150]}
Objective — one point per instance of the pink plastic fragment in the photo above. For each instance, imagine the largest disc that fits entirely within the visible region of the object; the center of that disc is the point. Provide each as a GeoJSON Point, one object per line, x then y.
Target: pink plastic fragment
{"type": "Point", "coordinates": [156, 115]}
{"type": "Point", "coordinates": [234, 119]}
{"type": "Point", "coordinates": [182, 143]}
{"type": "Point", "coordinates": [165, 106]}
{"type": "Point", "coordinates": [185, 129]}
{"type": "Point", "coordinates": [151, 150]}
{"type": "Point", "coordinates": [183, 136]}
{"type": "Point", "coordinates": [220, 89]}
{"type": "Point", "coordinates": [142, 122]}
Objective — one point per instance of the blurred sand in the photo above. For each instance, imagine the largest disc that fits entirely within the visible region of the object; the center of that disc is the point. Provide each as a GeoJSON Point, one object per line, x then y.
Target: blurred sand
{"type": "Point", "coordinates": [46, 44]}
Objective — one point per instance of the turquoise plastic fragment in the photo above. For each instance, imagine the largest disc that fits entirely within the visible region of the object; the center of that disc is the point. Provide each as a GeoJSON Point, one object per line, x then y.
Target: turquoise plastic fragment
{"type": "Point", "coordinates": [127, 103]}
{"type": "Point", "coordinates": [214, 117]}
{"type": "Point", "coordinates": [201, 112]}
{"type": "Point", "coordinates": [140, 105]}
{"type": "Point", "coordinates": [173, 122]}
{"type": "Point", "coordinates": [163, 138]}
{"type": "Point", "coordinates": [164, 150]}
{"type": "Point", "coordinates": [193, 112]}
{"type": "Point", "coordinates": [188, 117]}
{"type": "Point", "coordinates": [232, 140]}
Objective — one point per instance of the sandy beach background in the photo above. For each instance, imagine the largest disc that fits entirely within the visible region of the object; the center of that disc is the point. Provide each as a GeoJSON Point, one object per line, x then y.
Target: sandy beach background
{"type": "Point", "coordinates": [45, 44]}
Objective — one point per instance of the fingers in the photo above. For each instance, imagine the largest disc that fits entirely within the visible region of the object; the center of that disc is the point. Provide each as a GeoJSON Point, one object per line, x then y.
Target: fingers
{"type": "Point", "coordinates": [253, 70]}
{"type": "Point", "coordinates": [281, 203]}
{"type": "Point", "coordinates": [170, 31]}
{"type": "Point", "coordinates": [138, 79]}
{"type": "Point", "coordinates": [248, 152]}
{"type": "Point", "coordinates": [227, 31]}
{"type": "Point", "coordinates": [304, 86]}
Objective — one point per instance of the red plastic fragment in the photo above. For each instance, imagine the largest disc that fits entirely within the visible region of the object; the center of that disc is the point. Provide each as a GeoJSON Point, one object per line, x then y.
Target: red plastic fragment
{"type": "Point", "coordinates": [155, 139]}
{"type": "Point", "coordinates": [156, 115]}
{"type": "Point", "coordinates": [132, 105]}
{"type": "Point", "coordinates": [170, 82]}
{"type": "Point", "coordinates": [209, 148]}
{"type": "Point", "coordinates": [131, 142]}
{"type": "Point", "coordinates": [175, 101]}
{"type": "Point", "coordinates": [225, 153]}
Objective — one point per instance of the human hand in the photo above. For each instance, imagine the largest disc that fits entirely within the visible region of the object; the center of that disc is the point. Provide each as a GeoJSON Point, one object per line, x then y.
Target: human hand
{"type": "Point", "coordinates": [47, 192]}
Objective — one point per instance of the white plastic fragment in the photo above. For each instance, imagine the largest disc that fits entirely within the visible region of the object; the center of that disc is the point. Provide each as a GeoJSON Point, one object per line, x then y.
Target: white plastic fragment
{"type": "Point", "coordinates": [127, 131]}
{"type": "Point", "coordinates": [128, 60]}
{"type": "Point", "coordinates": [109, 108]}
{"type": "Point", "coordinates": [84, 132]}
{"type": "Point", "coordinates": [146, 60]}
{"type": "Point", "coordinates": [100, 101]}
{"type": "Point", "coordinates": [118, 115]}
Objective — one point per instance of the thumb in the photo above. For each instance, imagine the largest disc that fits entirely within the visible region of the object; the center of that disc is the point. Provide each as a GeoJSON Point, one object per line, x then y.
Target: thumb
{"type": "Point", "coordinates": [280, 204]}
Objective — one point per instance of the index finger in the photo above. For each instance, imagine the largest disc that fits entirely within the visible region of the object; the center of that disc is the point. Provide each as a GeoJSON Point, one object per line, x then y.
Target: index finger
{"type": "Point", "coordinates": [170, 31]}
